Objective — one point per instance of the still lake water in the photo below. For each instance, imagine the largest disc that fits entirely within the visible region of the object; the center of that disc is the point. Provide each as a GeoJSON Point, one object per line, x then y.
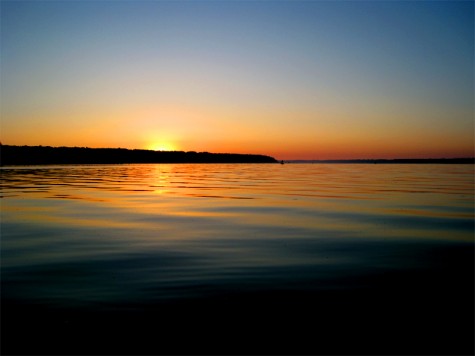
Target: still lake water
{"type": "Point", "coordinates": [267, 258]}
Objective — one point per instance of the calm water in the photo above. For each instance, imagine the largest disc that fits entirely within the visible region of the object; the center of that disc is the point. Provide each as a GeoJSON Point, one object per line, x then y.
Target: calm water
{"type": "Point", "coordinates": [288, 258]}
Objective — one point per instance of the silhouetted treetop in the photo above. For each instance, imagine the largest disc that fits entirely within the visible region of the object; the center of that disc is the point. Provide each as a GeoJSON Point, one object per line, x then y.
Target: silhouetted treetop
{"type": "Point", "coordinates": [33, 155]}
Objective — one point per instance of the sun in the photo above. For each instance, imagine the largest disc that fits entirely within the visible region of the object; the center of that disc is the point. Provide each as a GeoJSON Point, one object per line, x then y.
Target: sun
{"type": "Point", "coordinates": [162, 146]}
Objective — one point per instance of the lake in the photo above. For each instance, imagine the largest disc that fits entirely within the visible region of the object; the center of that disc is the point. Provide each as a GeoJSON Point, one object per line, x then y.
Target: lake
{"type": "Point", "coordinates": [238, 258]}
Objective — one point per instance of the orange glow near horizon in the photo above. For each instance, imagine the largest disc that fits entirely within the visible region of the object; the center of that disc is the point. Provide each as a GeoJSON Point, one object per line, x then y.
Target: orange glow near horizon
{"type": "Point", "coordinates": [292, 80]}
{"type": "Point", "coordinates": [301, 143]}
{"type": "Point", "coordinates": [162, 146]}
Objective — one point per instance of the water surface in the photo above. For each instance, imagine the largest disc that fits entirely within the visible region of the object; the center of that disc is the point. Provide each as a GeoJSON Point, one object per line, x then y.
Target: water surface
{"type": "Point", "coordinates": [297, 258]}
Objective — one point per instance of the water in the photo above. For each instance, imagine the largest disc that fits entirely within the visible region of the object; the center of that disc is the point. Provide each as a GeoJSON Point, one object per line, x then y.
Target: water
{"type": "Point", "coordinates": [258, 258]}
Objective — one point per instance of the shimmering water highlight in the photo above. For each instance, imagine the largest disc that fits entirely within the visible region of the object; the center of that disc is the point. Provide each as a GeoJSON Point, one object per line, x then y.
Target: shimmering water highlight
{"type": "Point", "coordinates": [143, 241]}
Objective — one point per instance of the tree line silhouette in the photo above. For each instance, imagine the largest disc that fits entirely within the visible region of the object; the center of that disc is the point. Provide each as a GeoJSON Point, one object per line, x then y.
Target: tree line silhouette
{"type": "Point", "coordinates": [38, 155]}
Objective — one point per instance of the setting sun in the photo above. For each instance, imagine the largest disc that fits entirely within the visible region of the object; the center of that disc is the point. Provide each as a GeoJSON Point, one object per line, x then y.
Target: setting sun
{"type": "Point", "coordinates": [251, 164]}
{"type": "Point", "coordinates": [300, 80]}
{"type": "Point", "coordinates": [162, 146]}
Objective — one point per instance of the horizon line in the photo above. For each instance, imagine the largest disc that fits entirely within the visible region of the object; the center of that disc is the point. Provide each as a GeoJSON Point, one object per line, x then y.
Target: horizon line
{"type": "Point", "coordinates": [322, 160]}
{"type": "Point", "coordinates": [365, 160]}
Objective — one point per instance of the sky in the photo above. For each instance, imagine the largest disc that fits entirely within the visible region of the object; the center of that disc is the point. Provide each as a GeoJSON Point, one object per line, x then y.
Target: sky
{"type": "Point", "coordinates": [291, 79]}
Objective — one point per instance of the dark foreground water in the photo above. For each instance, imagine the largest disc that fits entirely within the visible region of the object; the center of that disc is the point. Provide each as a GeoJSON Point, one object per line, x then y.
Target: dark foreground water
{"type": "Point", "coordinates": [299, 258]}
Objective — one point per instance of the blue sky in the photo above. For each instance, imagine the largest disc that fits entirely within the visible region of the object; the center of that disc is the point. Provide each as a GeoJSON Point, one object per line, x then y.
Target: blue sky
{"type": "Point", "coordinates": [296, 79]}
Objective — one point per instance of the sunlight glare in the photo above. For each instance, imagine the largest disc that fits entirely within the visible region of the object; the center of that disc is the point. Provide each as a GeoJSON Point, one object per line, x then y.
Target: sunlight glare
{"type": "Point", "coordinates": [162, 146]}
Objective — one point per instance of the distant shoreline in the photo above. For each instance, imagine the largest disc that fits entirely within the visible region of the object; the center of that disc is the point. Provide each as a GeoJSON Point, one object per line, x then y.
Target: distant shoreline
{"type": "Point", "coordinates": [46, 155]}
{"type": "Point", "coordinates": [461, 160]}
{"type": "Point", "coordinates": [11, 155]}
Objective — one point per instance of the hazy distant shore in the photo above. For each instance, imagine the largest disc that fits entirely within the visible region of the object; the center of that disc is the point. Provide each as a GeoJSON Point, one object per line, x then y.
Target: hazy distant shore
{"type": "Point", "coordinates": [42, 155]}
{"type": "Point", "coordinates": [461, 160]}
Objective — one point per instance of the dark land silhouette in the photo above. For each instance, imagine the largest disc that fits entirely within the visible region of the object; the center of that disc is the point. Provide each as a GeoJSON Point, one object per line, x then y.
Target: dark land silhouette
{"type": "Point", "coordinates": [38, 155]}
{"type": "Point", "coordinates": [42, 155]}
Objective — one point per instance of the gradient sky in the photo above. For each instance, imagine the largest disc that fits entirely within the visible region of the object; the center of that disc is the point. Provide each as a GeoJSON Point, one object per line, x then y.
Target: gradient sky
{"type": "Point", "coordinates": [292, 79]}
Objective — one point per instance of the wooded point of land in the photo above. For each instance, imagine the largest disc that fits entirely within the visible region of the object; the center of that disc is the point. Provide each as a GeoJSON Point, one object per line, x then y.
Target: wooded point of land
{"type": "Point", "coordinates": [39, 155]}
